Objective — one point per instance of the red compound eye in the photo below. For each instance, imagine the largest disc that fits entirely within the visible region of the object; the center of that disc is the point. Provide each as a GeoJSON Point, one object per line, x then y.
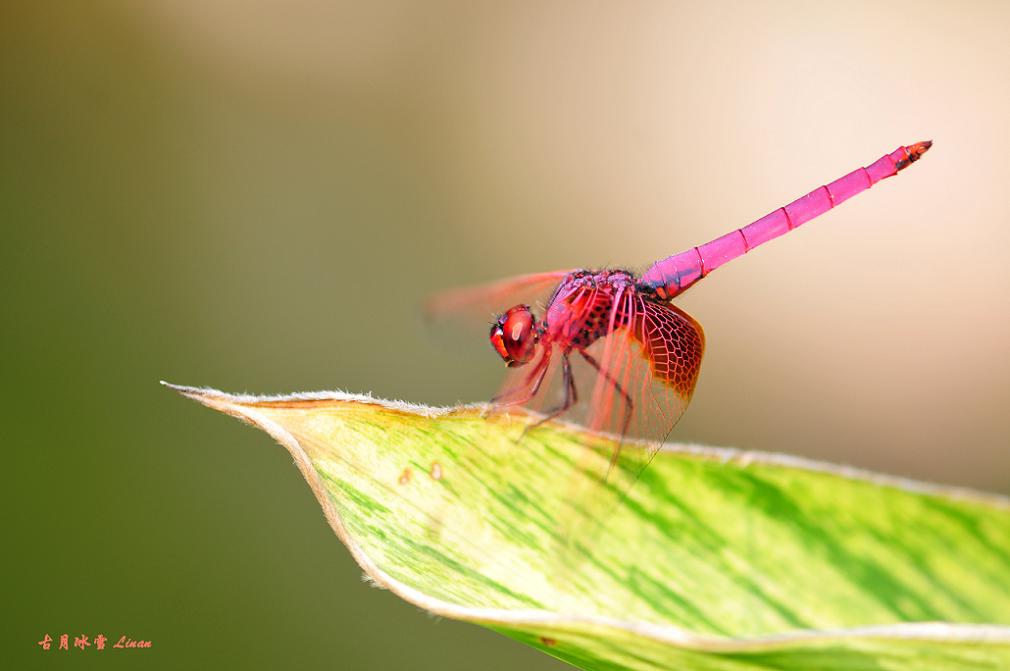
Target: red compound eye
{"type": "Point", "coordinates": [514, 336]}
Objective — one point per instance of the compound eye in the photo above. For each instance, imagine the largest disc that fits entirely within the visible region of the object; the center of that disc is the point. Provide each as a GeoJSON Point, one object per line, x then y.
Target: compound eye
{"type": "Point", "coordinates": [513, 335]}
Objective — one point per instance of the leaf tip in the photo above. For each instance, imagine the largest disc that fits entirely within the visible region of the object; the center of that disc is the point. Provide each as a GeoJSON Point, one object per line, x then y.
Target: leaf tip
{"type": "Point", "coordinates": [195, 393]}
{"type": "Point", "coordinates": [182, 389]}
{"type": "Point", "coordinates": [212, 398]}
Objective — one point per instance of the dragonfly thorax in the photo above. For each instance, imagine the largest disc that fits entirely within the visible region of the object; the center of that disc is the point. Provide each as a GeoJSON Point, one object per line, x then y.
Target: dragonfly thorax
{"type": "Point", "coordinates": [587, 305]}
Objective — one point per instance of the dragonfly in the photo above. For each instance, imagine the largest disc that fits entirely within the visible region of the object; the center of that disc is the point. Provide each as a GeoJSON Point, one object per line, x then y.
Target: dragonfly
{"type": "Point", "coordinates": [642, 353]}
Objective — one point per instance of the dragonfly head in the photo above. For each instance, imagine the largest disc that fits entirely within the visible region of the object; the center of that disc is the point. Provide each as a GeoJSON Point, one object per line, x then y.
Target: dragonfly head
{"type": "Point", "coordinates": [514, 335]}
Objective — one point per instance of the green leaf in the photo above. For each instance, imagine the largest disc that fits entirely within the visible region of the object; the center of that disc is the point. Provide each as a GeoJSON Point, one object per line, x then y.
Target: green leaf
{"type": "Point", "coordinates": [715, 559]}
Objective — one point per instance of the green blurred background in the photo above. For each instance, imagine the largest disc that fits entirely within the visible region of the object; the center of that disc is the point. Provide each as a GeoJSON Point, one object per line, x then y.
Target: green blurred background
{"type": "Point", "coordinates": [256, 196]}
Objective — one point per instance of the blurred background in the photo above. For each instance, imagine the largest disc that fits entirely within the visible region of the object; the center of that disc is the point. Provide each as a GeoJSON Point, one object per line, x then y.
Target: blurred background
{"type": "Point", "coordinates": [257, 196]}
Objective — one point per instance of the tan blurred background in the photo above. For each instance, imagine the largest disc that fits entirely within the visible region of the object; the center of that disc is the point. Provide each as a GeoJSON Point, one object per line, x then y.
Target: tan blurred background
{"type": "Point", "coordinates": [256, 196]}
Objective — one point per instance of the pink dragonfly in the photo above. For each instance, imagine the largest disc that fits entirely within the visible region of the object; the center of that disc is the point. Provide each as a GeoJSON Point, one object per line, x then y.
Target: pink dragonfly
{"type": "Point", "coordinates": [642, 353]}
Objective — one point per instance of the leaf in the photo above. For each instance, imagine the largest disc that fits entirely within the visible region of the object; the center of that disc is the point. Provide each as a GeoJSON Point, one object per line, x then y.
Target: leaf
{"type": "Point", "coordinates": [715, 559]}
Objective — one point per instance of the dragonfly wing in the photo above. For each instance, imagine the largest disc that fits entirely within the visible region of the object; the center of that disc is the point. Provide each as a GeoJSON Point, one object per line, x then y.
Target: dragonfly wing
{"type": "Point", "coordinates": [634, 383]}
{"type": "Point", "coordinates": [647, 368]}
{"type": "Point", "coordinates": [538, 386]}
{"type": "Point", "coordinates": [494, 297]}
{"type": "Point", "coordinates": [673, 343]}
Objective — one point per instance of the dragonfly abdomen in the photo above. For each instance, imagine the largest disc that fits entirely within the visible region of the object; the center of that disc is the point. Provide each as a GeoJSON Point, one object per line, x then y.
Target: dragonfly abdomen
{"type": "Point", "coordinates": [676, 273]}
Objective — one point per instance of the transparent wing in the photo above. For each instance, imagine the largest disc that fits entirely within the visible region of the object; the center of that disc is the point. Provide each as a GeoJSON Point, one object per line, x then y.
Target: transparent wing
{"type": "Point", "coordinates": [492, 298]}
{"type": "Point", "coordinates": [633, 383]}
{"type": "Point", "coordinates": [540, 385]}
{"type": "Point", "coordinates": [648, 366]}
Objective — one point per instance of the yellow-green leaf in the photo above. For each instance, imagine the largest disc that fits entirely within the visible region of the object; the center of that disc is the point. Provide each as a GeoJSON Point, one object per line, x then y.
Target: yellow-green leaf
{"type": "Point", "coordinates": [714, 559]}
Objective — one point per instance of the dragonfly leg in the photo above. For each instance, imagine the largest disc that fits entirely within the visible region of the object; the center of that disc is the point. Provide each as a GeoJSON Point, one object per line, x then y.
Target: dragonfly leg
{"type": "Point", "coordinates": [571, 397]}
{"type": "Point", "coordinates": [629, 405]}
{"type": "Point", "coordinates": [527, 390]}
